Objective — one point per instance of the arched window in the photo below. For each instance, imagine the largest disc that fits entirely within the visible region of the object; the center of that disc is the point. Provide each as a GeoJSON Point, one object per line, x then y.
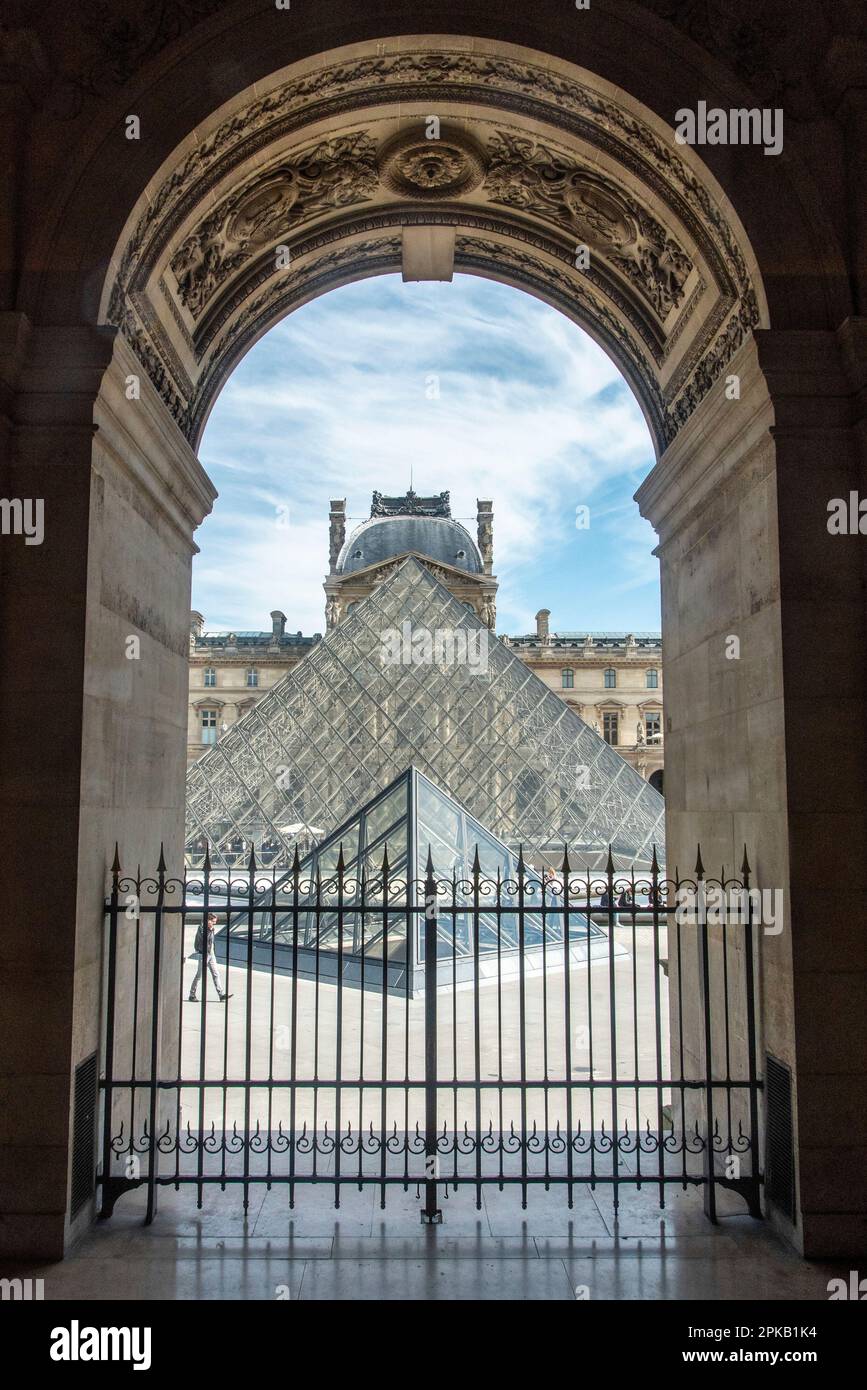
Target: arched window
{"type": "Point", "coordinates": [651, 679]}
{"type": "Point", "coordinates": [610, 678]}
{"type": "Point", "coordinates": [568, 678]}
{"type": "Point", "coordinates": [210, 676]}
{"type": "Point", "coordinates": [252, 676]}
{"type": "Point", "coordinates": [655, 779]}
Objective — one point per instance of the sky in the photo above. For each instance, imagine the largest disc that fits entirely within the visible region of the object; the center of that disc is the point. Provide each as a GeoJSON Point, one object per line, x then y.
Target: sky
{"type": "Point", "coordinates": [471, 387]}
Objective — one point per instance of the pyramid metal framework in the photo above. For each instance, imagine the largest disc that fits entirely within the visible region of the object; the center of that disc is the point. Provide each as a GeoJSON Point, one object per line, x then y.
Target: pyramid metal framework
{"type": "Point", "coordinates": [350, 718]}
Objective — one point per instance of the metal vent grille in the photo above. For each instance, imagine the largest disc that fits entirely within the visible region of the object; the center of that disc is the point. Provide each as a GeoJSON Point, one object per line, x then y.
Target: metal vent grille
{"type": "Point", "coordinates": [779, 1155]}
{"type": "Point", "coordinates": [84, 1134]}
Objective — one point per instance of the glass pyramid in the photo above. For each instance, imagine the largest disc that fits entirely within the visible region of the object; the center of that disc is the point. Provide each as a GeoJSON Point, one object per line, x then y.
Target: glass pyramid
{"type": "Point", "coordinates": [344, 925]}
{"type": "Point", "coordinates": [376, 696]}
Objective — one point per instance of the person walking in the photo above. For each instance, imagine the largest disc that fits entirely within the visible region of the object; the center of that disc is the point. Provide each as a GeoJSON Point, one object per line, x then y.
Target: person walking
{"type": "Point", "coordinates": [206, 951]}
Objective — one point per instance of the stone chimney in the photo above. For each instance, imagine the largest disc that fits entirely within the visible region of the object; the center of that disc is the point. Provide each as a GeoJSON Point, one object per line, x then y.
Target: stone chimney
{"type": "Point", "coordinates": [542, 633]}
{"type": "Point", "coordinates": [197, 624]}
{"type": "Point", "coordinates": [485, 533]}
{"type": "Point", "coordinates": [336, 533]}
{"type": "Point", "coordinates": [278, 624]}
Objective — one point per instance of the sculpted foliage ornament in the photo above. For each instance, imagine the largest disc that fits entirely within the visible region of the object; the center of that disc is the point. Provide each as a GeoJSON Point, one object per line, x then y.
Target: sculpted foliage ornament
{"type": "Point", "coordinates": [334, 174]}
{"type": "Point", "coordinates": [528, 175]}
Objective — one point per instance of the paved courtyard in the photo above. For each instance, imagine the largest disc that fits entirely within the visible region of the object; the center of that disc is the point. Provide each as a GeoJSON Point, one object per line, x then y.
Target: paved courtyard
{"type": "Point", "coordinates": [639, 990]}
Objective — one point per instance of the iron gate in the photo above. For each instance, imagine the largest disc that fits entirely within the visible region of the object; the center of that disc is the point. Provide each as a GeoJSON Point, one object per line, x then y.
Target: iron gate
{"type": "Point", "coordinates": [590, 1028]}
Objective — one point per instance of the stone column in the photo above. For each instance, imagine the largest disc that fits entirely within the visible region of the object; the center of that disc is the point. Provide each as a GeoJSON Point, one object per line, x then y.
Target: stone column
{"type": "Point", "coordinates": [92, 742]}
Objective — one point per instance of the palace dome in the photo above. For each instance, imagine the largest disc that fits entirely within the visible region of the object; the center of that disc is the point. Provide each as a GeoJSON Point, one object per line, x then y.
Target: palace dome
{"type": "Point", "coordinates": [438, 537]}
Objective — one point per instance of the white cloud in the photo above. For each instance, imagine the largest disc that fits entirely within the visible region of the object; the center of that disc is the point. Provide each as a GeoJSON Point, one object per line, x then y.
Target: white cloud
{"type": "Point", "coordinates": [333, 402]}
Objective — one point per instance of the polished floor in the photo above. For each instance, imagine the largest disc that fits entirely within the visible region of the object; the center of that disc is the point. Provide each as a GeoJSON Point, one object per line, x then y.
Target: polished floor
{"type": "Point", "coordinates": [501, 1252]}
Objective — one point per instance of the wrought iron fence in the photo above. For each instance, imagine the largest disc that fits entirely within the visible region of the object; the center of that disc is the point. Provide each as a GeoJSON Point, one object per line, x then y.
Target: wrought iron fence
{"type": "Point", "coordinates": [429, 1034]}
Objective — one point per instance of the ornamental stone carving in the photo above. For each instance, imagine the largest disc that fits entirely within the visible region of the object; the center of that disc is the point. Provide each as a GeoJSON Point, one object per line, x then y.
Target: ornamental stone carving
{"type": "Point", "coordinates": [416, 167]}
{"type": "Point", "coordinates": [528, 175]}
{"type": "Point", "coordinates": [334, 174]}
{"type": "Point", "coordinates": [651, 263]}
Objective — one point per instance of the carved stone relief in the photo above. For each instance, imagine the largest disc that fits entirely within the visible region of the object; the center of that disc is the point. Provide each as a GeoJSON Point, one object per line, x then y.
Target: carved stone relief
{"type": "Point", "coordinates": [526, 174]}
{"type": "Point", "coordinates": [571, 106]}
{"type": "Point", "coordinates": [334, 174]}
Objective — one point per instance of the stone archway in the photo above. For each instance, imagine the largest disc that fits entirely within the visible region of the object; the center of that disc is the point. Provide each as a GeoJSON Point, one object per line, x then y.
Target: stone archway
{"type": "Point", "coordinates": [432, 157]}
{"type": "Point", "coordinates": [692, 278]}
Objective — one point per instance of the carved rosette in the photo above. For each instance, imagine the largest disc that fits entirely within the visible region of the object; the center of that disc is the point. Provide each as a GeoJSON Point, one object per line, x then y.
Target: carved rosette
{"type": "Point", "coordinates": [412, 166]}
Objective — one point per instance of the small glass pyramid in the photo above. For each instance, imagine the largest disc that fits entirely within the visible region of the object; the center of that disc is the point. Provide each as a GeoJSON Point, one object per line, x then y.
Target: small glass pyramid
{"type": "Point", "coordinates": [344, 926]}
{"type": "Point", "coordinates": [387, 689]}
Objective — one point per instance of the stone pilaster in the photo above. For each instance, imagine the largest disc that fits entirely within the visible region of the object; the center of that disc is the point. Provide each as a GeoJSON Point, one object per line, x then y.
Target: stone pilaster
{"type": "Point", "coordinates": [92, 743]}
{"type": "Point", "coordinates": [763, 660]}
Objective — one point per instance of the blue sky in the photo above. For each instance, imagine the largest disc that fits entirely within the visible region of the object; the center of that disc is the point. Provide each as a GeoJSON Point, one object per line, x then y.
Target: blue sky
{"type": "Point", "coordinates": [475, 387]}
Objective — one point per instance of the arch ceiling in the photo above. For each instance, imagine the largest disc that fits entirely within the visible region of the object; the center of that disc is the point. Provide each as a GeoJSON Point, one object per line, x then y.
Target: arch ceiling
{"type": "Point", "coordinates": [534, 159]}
